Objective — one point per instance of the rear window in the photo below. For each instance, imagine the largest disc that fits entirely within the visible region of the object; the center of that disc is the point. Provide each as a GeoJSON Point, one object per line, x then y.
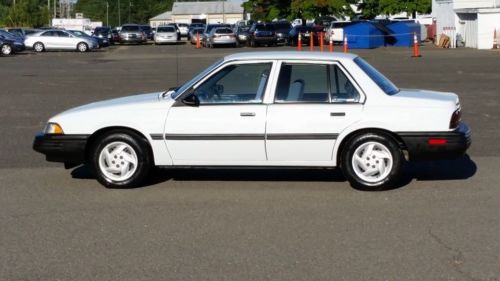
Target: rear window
{"type": "Point", "coordinates": [130, 28]}
{"type": "Point", "coordinates": [264, 27]}
{"type": "Point", "coordinates": [166, 29]}
{"type": "Point", "coordinates": [282, 25]}
{"type": "Point", "coordinates": [223, 31]}
{"type": "Point", "coordinates": [385, 84]}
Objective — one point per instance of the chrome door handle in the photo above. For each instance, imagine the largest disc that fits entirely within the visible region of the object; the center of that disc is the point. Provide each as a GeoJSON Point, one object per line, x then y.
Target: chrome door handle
{"type": "Point", "coordinates": [337, 114]}
{"type": "Point", "coordinates": [247, 114]}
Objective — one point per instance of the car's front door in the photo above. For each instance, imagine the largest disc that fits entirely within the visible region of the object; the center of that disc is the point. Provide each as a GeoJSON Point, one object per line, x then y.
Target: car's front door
{"type": "Point", "coordinates": [221, 121]}
{"type": "Point", "coordinates": [65, 40]}
{"type": "Point", "coordinates": [313, 103]}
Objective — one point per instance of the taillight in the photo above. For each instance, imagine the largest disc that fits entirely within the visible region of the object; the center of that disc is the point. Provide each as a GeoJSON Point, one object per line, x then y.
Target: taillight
{"type": "Point", "coordinates": [455, 119]}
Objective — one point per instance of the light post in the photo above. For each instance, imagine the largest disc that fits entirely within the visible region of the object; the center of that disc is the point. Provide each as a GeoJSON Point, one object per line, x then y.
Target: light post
{"type": "Point", "coordinates": [129, 9]}
{"type": "Point", "coordinates": [107, 13]}
{"type": "Point", "coordinates": [119, 14]}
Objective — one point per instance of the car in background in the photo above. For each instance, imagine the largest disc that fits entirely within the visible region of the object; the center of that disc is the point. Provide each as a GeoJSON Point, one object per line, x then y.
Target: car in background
{"type": "Point", "coordinates": [304, 31]}
{"type": "Point", "coordinates": [261, 34]}
{"type": "Point", "coordinates": [195, 34]}
{"type": "Point", "coordinates": [22, 32]}
{"type": "Point", "coordinates": [183, 28]}
{"type": "Point", "coordinates": [132, 33]}
{"type": "Point", "coordinates": [56, 39]}
{"type": "Point", "coordinates": [282, 29]}
{"type": "Point", "coordinates": [115, 36]}
{"type": "Point", "coordinates": [241, 32]}
{"type": "Point", "coordinates": [148, 31]}
{"type": "Point", "coordinates": [165, 34]}
{"type": "Point", "coordinates": [15, 42]}
{"type": "Point", "coordinates": [272, 109]}
{"type": "Point", "coordinates": [103, 32]}
{"type": "Point", "coordinates": [221, 36]}
{"type": "Point", "coordinates": [197, 26]}
{"type": "Point", "coordinates": [101, 42]}
{"type": "Point", "coordinates": [208, 29]}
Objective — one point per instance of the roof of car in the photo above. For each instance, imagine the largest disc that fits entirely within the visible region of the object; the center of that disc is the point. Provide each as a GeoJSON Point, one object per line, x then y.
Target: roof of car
{"type": "Point", "coordinates": [290, 55]}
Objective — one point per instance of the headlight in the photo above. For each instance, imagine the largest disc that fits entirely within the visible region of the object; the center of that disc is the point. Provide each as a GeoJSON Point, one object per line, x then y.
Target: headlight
{"type": "Point", "coordinates": [53, 129]}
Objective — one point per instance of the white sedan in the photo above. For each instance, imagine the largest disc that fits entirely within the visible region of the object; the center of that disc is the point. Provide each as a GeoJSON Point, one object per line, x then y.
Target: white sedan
{"type": "Point", "coordinates": [56, 39]}
{"type": "Point", "coordinates": [272, 109]}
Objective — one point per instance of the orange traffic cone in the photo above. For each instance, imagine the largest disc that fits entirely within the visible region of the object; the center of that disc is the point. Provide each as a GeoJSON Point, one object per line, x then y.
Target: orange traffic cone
{"type": "Point", "coordinates": [416, 47]}
{"type": "Point", "coordinates": [198, 44]}
{"type": "Point", "coordinates": [321, 38]}
{"type": "Point", "coordinates": [346, 47]}
{"type": "Point", "coordinates": [299, 42]}
{"type": "Point", "coordinates": [330, 45]}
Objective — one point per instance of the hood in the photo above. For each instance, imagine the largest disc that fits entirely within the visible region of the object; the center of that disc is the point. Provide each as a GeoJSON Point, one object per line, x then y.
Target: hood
{"type": "Point", "coordinates": [144, 100]}
{"type": "Point", "coordinates": [427, 98]}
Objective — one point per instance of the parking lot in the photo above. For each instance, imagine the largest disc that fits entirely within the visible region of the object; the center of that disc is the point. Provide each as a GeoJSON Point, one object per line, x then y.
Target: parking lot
{"type": "Point", "coordinates": [250, 224]}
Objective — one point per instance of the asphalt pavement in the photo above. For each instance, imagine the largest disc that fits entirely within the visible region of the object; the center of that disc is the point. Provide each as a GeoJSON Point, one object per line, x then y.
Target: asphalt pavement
{"type": "Point", "coordinates": [217, 224]}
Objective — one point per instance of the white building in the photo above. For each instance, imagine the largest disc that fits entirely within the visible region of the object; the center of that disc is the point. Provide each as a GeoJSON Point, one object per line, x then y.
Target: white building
{"type": "Point", "coordinates": [205, 12]}
{"type": "Point", "coordinates": [474, 22]}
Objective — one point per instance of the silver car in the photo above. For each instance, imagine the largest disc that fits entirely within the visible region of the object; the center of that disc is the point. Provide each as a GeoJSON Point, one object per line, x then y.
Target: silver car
{"type": "Point", "coordinates": [165, 34]}
{"type": "Point", "coordinates": [221, 36]}
{"type": "Point", "coordinates": [55, 39]}
{"type": "Point", "coordinates": [132, 33]}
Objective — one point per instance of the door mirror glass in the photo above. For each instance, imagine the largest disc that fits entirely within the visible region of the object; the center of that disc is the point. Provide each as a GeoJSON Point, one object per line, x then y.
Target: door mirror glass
{"type": "Point", "coordinates": [191, 100]}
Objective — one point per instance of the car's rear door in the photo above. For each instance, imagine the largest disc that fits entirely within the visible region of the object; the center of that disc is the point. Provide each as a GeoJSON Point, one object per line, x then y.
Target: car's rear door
{"type": "Point", "coordinates": [313, 103]}
{"type": "Point", "coordinates": [228, 125]}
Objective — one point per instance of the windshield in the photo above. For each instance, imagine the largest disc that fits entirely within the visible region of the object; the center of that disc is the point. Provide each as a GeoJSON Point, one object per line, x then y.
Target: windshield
{"type": "Point", "coordinates": [385, 84]}
{"type": "Point", "coordinates": [130, 28]}
{"type": "Point", "coordinates": [189, 83]}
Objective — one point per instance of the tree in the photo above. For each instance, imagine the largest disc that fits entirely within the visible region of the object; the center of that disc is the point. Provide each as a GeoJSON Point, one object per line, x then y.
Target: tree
{"type": "Point", "coordinates": [372, 8]}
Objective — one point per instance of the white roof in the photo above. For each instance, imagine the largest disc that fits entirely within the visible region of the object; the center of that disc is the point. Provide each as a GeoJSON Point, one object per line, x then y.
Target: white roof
{"type": "Point", "coordinates": [208, 7]}
{"type": "Point", "coordinates": [163, 16]}
{"type": "Point", "coordinates": [286, 55]}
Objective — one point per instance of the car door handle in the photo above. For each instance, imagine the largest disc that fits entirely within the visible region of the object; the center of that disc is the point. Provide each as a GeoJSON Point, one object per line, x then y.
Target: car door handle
{"type": "Point", "coordinates": [337, 114]}
{"type": "Point", "coordinates": [247, 114]}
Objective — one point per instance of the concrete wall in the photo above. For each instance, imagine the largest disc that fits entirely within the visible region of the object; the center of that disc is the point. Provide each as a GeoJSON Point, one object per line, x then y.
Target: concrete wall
{"type": "Point", "coordinates": [474, 4]}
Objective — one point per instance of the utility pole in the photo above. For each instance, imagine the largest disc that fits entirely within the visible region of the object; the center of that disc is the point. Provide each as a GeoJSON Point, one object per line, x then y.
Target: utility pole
{"type": "Point", "coordinates": [223, 12]}
{"type": "Point", "coordinates": [129, 8]}
{"type": "Point", "coordinates": [107, 13]}
{"type": "Point", "coordinates": [119, 14]}
{"type": "Point", "coordinates": [55, 9]}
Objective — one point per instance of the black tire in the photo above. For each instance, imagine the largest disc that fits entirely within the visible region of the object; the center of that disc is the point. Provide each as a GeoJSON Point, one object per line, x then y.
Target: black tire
{"type": "Point", "coordinates": [82, 47]}
{"type": "Point", "coordinates": [6, 50]}
{"type": "Point", "coordinates": [38, 47]}
{"type": "Point", "coordinates": [393, 173]}
{"type": "Point", "coordinates": [134, 142]}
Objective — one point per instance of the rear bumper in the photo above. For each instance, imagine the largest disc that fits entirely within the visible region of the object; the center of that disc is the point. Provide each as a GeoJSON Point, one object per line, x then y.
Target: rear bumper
{"type": "Point", "coordinates": [437, 145]}
{"type": "Point", "coordinates": [69, 149]}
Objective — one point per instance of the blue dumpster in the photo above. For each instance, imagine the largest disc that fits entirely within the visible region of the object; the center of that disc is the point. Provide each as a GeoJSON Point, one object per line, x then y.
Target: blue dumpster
{"type": "Point", "coordinates": [402, 33]}
{"type": "Point", "coordinates": [364, 35]}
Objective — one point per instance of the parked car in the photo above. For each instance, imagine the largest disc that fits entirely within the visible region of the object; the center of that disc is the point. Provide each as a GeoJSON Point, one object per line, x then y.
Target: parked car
{"type": "Point", "coordinates": [132, 33]}
{"type": "Point", "coordinates": [100, 42]}
{"type": "Point", "coordinates": [165, 34]}
{"type": "Point", "coordinates": [194, 33]}
{"type": "Point", "coordinates": [183, 28]}
{"type": "Point", "coordinates": [208, 29]}
{"type": "Point", "coordinates": [55, 39]}
{"type": "Point", "coordinates": [261, 34]}
{"type": "Point", "coordinates": [221, 36]}
{"type": "Point", "coordinates": [115, 36]}
{"type": "Point", "coordinates": [148, 31]}
{"type": "Point", "coordinates": [282, 29]}
{"type": "Point", "coordinates": [103, 32]}
{"type": "Point", "coordinates": [274, 109]}
{"type": "Point", "coordinates": [11, 43]}
{"type": "Point", "coordinates": [22, 32]}
{"type": "Point", "coordinates": [196, 26]}
{"type": "Point", "coordinates": [241, 32]}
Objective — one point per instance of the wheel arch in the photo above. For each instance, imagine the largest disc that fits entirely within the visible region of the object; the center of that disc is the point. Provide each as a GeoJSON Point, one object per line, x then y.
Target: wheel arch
{"type": "Point", "coordinates": [339, 149]}
{"type": "Point", "coordinates": [118, 129]}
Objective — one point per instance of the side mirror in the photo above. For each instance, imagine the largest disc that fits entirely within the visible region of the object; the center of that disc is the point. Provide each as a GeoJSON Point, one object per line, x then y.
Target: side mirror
{"type": "Point", "coordinates": [191, 100]}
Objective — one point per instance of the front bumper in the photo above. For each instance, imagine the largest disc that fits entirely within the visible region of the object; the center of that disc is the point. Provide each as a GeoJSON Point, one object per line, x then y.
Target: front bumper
{"type": "Point", "coordinates": [69, 149]}
{"type": "Point", "coordinates": [437, 145]}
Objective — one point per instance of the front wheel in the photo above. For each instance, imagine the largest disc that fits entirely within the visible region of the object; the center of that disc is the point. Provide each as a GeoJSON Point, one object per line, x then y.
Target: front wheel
{"type": "Point", "coordinates": [372, 161]}
{"type": "Point", "coordinates": [6, 49]}
{"type": "Point", "coordinates": [121, 160]}
{"type": "Point", "coordinates": [82, 47]}
{"type": "Point", "coordinates": [38, 47]}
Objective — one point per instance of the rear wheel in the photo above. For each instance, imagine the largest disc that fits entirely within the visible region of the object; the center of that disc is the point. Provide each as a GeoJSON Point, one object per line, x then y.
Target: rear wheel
{"type": "Point", "coordinates": [82, 47]}
{"type": "Point", "coordinates": [121, 160]}
{"type": "Point", "coordinates": [38, 47]}
{"type": "Point", "coordinates": [372, 161]}
{"type": "Point", "coordinates": [6, 49]}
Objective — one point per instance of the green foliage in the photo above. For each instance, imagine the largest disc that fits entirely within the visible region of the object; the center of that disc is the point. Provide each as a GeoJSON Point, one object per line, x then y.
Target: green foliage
{"type": "Point", "coordinates": [26, 13]}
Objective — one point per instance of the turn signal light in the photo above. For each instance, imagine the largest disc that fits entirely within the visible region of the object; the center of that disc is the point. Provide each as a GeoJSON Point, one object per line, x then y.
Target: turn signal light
{"type": "Point", "coordinates": [53, 129]}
